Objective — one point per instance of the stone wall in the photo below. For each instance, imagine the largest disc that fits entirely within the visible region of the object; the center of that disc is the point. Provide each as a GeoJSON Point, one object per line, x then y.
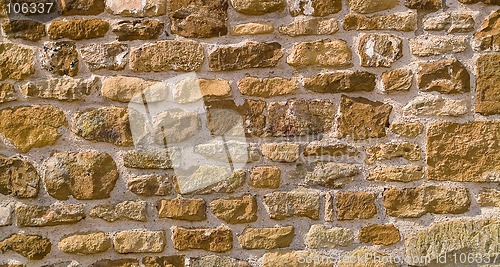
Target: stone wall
{"type": "Point", "coordinates": [356, 131]}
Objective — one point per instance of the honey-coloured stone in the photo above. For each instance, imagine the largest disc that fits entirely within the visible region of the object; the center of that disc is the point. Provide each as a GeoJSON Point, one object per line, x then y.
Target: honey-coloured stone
{"type": "Point", "coordinates": [380, 50]}
{"type": "Point", "coordinates": [33, 247]}
{"type": "Point", "coordinates": [16, 61]}
{"type": "Point", "coordinates": [126, 210]}
{"type": "Point", "coordinates": [265, 177]}
{"type": "Point", "coordinates": [136, 8]}
{"type": "Point", "coordinates": [397, 80]}
{"type": "Point", "coordinates": [198, 19]}
{"type": "Point", "coordinates": [258, 7]}
{"type": "Point", "coordinates": [355, 205]}
{"type": "Point", "coordinates": [139, 241]}
{"type": "Point", "coordinates": [188, 209]}
{"type": "Point", "coordinates": [80, 7]}
{"type": "Point", "coordinates": [488, 36]}
{"type": "Point", "coordinates": [267, 87]}
{"type": "Point", "coordinates": [26, 29]}
{"type": "Point", "coordinates": [378, 234]}
{"type": "Point", "coordinates": [235, 210]}
{"type": "Point", "coordinates": [310, 26]}
{"type": "Point", "coordinates": [487, 89]}
{"type": "Point", "coordinates": [18, 177]}
{"type": "Point", "coordinates": [266, 238]}
{"type": "Point", "coordinates": [209, 239]}
{"type": "Point", "coordinates": [78, 29]}
{"type": "Point", "coordinates": [60, 58]}
{"type": "Point", "coordinates": [447, 76]}
{"type": "Point", "coordinates": [55, 214]}
{"type": "Point", "coordinates": [64, 88]}
{"type": "Point", "coordinates": [340, 82]}
{"type": "Point", "coordinates": [7, 93]}
{"type": "Point", "coordinates": [299, 202]}
{"type": "Point", "coordinates": [129, 30]}
{"type": "Point", "coordinates": [406, 150]}
{"type": "Point", "coordinates": [89, 243]}
{"type": "Point", "coordinates": [400, 21]}
{"type": "Point", "coordinates": [252, 28]}
{"type": "Point", "coordinates": [371, 6]}
{"type": "Point", "coordinates": [322, 53]}
{"type": "Point", "coordinates": [316, 8]}
{"type": "Point", "coordinates": [248, 55]}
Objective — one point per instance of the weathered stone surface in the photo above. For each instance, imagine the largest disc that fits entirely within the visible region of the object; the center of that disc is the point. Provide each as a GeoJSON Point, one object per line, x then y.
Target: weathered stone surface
{"type": "Point", "coordinates": [322, 53]}
{"type": "Point", "coordinates": [380, 50]}
{"type": "Point", "coordinates": [16, 62]}
{"type": "Point", "coordinates": [398, 80]}
{"type": "Point", "coordinates": [452, 22]}
{"type": "Point", "coordinates": [125, 89]}
{"type": "Point", "coordinates": [489, 198]}
{"type": "Point", "coordinates": [319, 236]}
{"type": "Point", "coordinates": [447, 76]}
{"type": "Point", "coordinates": [210, 239]}
{"type": "Point", "coordinates": [72, 263]}
{"type": "Point", "coordinates": [210, 179]}
{"type": "Point", "coordinates": [129, 30]}
{"type": "Point", "coordinates": [152, 158]}
{"type": "Point", "coordinates": [361, 118]}
{"type": "Point", "coordinates": [407, 129]}
{"type": "Point", "coordinates": [415, 202]}
{"type": "Point", "coordinates": [235, 210]}
{"type": "Point", "coordinates": [400, 21]}
{"type": "Point", "coordinates": [310, 26]}
{"type": "Point", "coordinates": [192, 90]}
{"type": "Point", "coordinates": [136, 8]}
{"type": "Point", "coordinates": [281, 152]}
{"type": "Point", "coordinates": [256, 7]}
{"type": "Point", "coordinates": [18, 177]}
{"type": "Point", "coordinates": [488, 36]}
{"type": "Point", "coordinates": [341, 81]}
{"type": "Point", "coordinates": [299, 202]}
{"type": "Point", "coordinates": [215, 260]}
{"type": "Point", "coordinates": [33, 247]}
{"type": "Point", "coordinates": [126, 210]}
{"type": "Point", "coordinates": [252, 28]}
{"type": "Point", "coordinates": [31, 126]}
{"type": "Point", "coordinates": [178, 55]}
{"type": "Point", "coordinates": [317, 8]}
{"type": "Point", "coordinates": [226, 117]}
{"type": "Point", "coordinates": [355, 205]}
{"type": "Point", "coordinates": [476, 236]}
{"type": "Point", "coordinates": [26, 29]}
{"type": "Point", "coordinates": [112, 56]}
{"type": "Point", "coordinates": [116, 263]}
{"type": "Point", "coordinates": [323, 150]}
{"type": "Point", "coordinates": [64, 88]}
{"type": "Point", "coordinates": [231, 150]}
{"type": "Point", "coordinates": [287, 258]}
{"type": "Point", "coordinates": [408, 151]}
{"type": "Point", "coordinates": [434, 45]}
{"type": "Point", "coordinates": [78, 29]}
{"type": "Point", "coordinates": [60, 58]}
{"type": "Point", "coordinates": [371, 6]}
{"type": "Point", "coordinates": [55, 214]}
{"type": "Point", "coordinates": [332, 174]}
{"type": "Point", "coordinates": [267, 87]}
{"type": "Point", "coordinates": [139, 241]}
{"type": "Point", "coordinates": [254, 120]}
{"type": "Point", "coordinates": [90, 243]}
{"type": "Point", "coordinates": [188, 209]}
{"type": "Point", "coordinates": [7, 93]}
{"type": "Point", "coordinates": [405, 174]}
{"type": "Point", "coordinates": [108, 124]}
{"type": "Point", "coordinates": [150, 185]}
{"type": "Point", "coordinates": [363, 257]}
{"type": "Point", "coordinates": [164, 261]}
{"type": "Point", "coordinates": [431, 5]}
{"type": "Point", "coordinates": [6, 213]}
{"type": "Point", "coordinates": [265, 177]}
{"type": "Point", "coordinates": [80, 7]}
{"type": "Point", "coordinates": [175, 125]}
{"type": "Point", "coordinates": [198, 19]}
{"type": "Point", "coordinates": [248, 55]}
{"type": "Point", "coordinates": [487, 89]}
{"type": "Point", "coordinates": [463, 152]}
{"type": "Point", "coordinates": [378, 234]}
{"type": "Point", "coordinates": [266, 238]}
{"type": "Point", "coordinates": [84, 175]}
{"type": "Point", "coordinates": [436, 105]}
{"type": "Point", "coordinates": [300, 117]}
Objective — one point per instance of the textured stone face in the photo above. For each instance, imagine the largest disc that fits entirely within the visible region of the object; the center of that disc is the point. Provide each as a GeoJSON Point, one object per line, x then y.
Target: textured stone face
{"type": "Point", "coordinates": [64, 88]}
{"type": "Point", "coordinates": [184, 93]}
{"type": "Point", "coordinates": [33, 247]}
{"type": "Point", "coordinates": [362, 119]}
{"type": "Point", "coordinates": [408, 151]}
{"type": "Point", "coordinates": [319, 236]}
{"type": "Point", "coordinates": [235, 210]}
{"type": "Point", "coordinates": [283, 258]}
{"type": "Point", "coordinates": [128, 30]}
{"type": "Point", "coordinates": [18, 178]}
{"type": "Point", "coordinates": [478, 159]}
{"type": "Point", "coordinates": [257, 7]}
{"type": "Point", "coordinates": [26, 29]}
{"type": "Point", "coordinates": [126, 210]}
{"type": "Point", "coordinates": [317, 8]}
{"type": "Point", "coordinates": [266, 238]}
{"type": "Point", "coordinates": [31, 126]}
{"type": "Point", "coordinates": [379, 234]}
{"type": "Point", "coordinates": [371, 258]}
{"type": "Point", "coordinates": [199, 19]}
{"type": "Point", "coordinates": [7, 93]}
{"type": "Point", "coordinates": [407, 129]}
{"type": "Point", "coordinates": [452, 22]}
{"type": "Point", "coordinates": [78, 29]}
{"type": "Point", "coordinates": [489, 198]}
{"type": "Point", "coordinates": [472, 235]}
{"type": "Point", "coordinates": [16, 62]}
{"type": "Point", "coordinates": [55, 214]}
{"type": "Point", "coordinates": [124, 89]}
{"type": "Point", "coordinates": [340, 82]}
{"type": "Point", "coordinates": [80, 7]}
{"type": "Point", "coordinates": [116, 263]}
{"type": "Point", "coordinates": [60, 58]}
{"type": "Point", "coordinates": [332, 174]}
{"type": "Point", "coordinates": [167, 55]}
{"type": "Point", "coordinates": [488, 36]}
{"type": "Point", "coordinates": [318, 149]}
{"type": "Point", "coordinates": [400, 21]}
{"type": "Point", "coordinates": [111, 56]}
{"type": "Point", "coordinates": [431, 5]}
{"type": "Point", "coordinates": [300, 202]}
{"type": "Point", "coordinates": [398, 80]}
{"type": "Point", "coordinates": [136, 8]}
{"type": "Point", "coordinates": [85, 243]}
{"type": "Point", "coordinates": [322, 53]}
{"type": "Point", "coordinates": [380, 50]}
{"type": "Point", "coordinates": [267, 87]}
{"type": "Point", "coordinates": [214, 240]}
{"type": "Point", "coordinates": [371, 6]}
{"type": "Point", "coordinates": [405, 174]}
{"type": "Point", "coordinates": [281, 152]}
{"type": "Point", "coordinates": [436, 105]}
{"type": "Point", "coordinates": [265, 177]}
{"type": "Point", "coordinates": [252, 28]}
{"type": "Point", "coordinates": [355, 205]}
{"type": "Point", "coordinates": [215, 260]}
{"type": "Point", "coordinates": [139, 241]}
{"type": "Point", "coordinates": [84, 175]}
{"type": "Point", "coordinates": [300, 117]}
{"type": "Point", "coordinates": [164, 261]}
{"type": "Point", "coordinates": [150, 158]}
{"type": "Point", "coordinates": [150, 185]}
{"type": "Point", "coordinates": [188, 209]}
{"type": "Point", "coordinates": [310, 26]}
{"type": "Point", "coordinates": [487, 80]}
{"type": "Point", "coordinates": [210, 179]}
{"type": "Point", "coordinates": [434, 45]}
{"type": "Point", "coordinates": [248, 55]}
{"type": "Point", "coordinates": [446, 76]}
